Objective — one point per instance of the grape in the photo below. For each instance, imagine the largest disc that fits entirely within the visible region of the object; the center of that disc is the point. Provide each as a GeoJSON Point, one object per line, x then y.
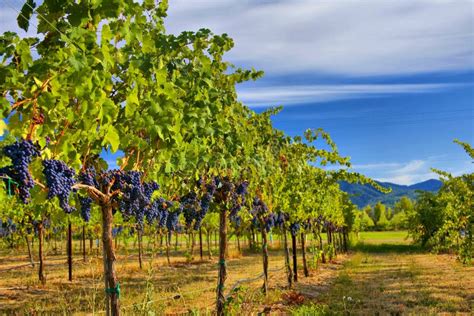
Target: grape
{"type": "Point", "coordinates": [199, 182]}
{"type": "Point", "coordinates": [227, 185]}
{"type": "Point", "coordinates": [21, 154]}
{"type": "Point", "coordinates": [236, 220]}
{"type": "Point", "coordinates": [86, 203]}
{"type": "Point", "coordinates": [294, 228]}
{"type": "Point", "coordinates": [307, 225]}
{"type": "Point", "coordinates": [211, 188]}
{"type": "Point", "coordinates": [269, 221]}
{"type": "Point", "coordinates": [159, 211]}
{"type": "Point", "coordinates": [172, 221]}
{"type": "Point", "coordinates": [149, 188]}
{"type": "Point", "coordinates": [116, 231]}
{"type": "Point", "coordinates": [59, 180]}
{"type": "Point", "coordinates": [88, 177]}
{"type": "Point", "coordinates": [254, 222]}
{"type": "Point", "coordinates": [259, 207]}
{"type": "Point", "coordinates": [7, 228]}
{"type": "Point", "coordinates": [279, 219]}
{"type": "Point", "coordinates": [242, 188]}
{"type": "Point", "coordinates": [135, 199]}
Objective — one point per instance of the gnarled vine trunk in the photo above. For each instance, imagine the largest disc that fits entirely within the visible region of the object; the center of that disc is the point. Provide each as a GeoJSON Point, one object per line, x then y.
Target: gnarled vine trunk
{"type": "Point", "coordinates": [238, 243]}
{"type": "Point", "coordinates": [168, 245]}
{"type": "Point", "coordinates": [110, 278]}
{"type": "Point", "coordinates": [222, 264]}
{"type": "Point", "coordinates": [209, 244]}
{"type": "Point", "coordinates": [345, 240]}
{"type": "Point", "coordinates": [84, 257]}
{"type": "Point", "coordinates": [303, 248]}
{"type": "Point", "coordinates": [140, 250]}
{"type": "Point", "coordinates": [30, 254]}
{"type": "Point", "coordinates": [295, 262]}
{"type": "Point", "coordinates": [323, 255]}
{"type": "Point", "coordinates": [289, 272]}
{"type": "Point", "coordinates": [265, 260]}
{"type": "Point", "coordinates": [41, 275]}
{"type": "Point", "coordinates": [200, 242]}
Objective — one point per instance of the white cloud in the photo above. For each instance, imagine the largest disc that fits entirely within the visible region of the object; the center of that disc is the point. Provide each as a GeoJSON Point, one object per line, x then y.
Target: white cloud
{"type": "Point", "coordinates": [367, 37]}
{"type": "Point", "coordinates": [413, 171]}
{"type": "Point", "coordinates": [404, 173]}
{"type": "Point", "coordinates": [376, 166]}
{"type": "Point", "coordinates": [291, 95]}
{"type": "Point", "coordinates": [352, 38]}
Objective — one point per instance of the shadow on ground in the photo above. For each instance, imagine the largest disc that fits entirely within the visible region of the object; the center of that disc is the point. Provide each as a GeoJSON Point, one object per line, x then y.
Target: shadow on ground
{"type": "Point", "coordinates": [388, 248]}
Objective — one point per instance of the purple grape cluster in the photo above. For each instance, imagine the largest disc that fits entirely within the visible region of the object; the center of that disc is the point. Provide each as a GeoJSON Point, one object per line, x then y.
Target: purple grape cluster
{"type": "Point", "coordinates": [205, 203]}
{"type": "Point", "coordinates": [86, 205]}
{"type": "Point", "coordinates": [281, 218]}
{"type": "Point", "coordinates": [7, 228]}
{"type": "Point", "coordinates": [59, 180]}
{"type": "Point", "coordinates": [259, 207]}
{"type": "Point", "coordinates": [149, 188]}
{"type": "Point", "coordinates": [269, 221]}
{"type": "Point", "coordinates": [330, 226]}
{"type": "Point", "coordinates": [189, 205]}
{"type": "Point", "coordinates": [158, 211]}
{"type": "Point", "coordinates": [117, 231]}
{"type": "Point", "coordinates": [172, 221]}
{"type": "Point", "coordinates": [294, 228]}
{"type": "Point", "coordinates": [238, 200]}
{"type": "Point", "coordinates": [224, 187]}
{"type": "Point", "coordinates": [134, 201]}
{"type": "Point", "coordinates": [21, 154]}
{"type": "Point", "coordinates": [88, 176]}
{"type": "Point", "coordinates": [194, 207]}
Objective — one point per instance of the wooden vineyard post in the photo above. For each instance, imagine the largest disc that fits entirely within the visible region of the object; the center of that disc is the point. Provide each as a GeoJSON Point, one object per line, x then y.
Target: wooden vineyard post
{"type": "Point", "coordinates": [69, 250]}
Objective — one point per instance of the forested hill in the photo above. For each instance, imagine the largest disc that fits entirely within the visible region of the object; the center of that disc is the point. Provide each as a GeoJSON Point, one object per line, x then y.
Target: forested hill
{"type": "Point", "coordinates": [363, 195]}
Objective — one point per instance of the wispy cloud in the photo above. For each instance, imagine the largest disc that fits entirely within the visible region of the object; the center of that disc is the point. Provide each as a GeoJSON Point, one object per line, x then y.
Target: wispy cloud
{"type": "Point", "coordinates": [369, 37]}
{"type": "Point", "coordinates": [301, 94]}
{"type": "Point", "coordinates": [404, 173]}
{"type": "Point", "coordinates": [377, 166]}
{"type": "Point", "coordinates": [350, 38]}
{"type": "Point", "coordinates": [410, 172]}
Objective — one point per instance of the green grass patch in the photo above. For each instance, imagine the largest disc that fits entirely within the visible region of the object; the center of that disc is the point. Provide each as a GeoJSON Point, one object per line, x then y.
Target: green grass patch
{"type": "Point", "coordinates": [312, 310]}
{"type": "Point", "coordinates": [384, 236]}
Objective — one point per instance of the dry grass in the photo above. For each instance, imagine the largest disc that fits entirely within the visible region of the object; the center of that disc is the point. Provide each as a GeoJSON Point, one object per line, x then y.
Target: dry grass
{"type": "Point", "coordinates": [397, 279]}
{"type": "Point", "coordinates": [380, 278]}
{"type": "Point", "coordinates": [180, 288]}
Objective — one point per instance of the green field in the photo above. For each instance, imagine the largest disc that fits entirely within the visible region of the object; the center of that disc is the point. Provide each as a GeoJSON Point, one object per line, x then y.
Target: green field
{"type": "Point", "coordinates": [392, 237]}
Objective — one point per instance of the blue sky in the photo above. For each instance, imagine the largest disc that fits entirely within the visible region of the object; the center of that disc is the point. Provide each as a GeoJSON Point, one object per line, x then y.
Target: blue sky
{"type": "Point", "coordinates": [391, 81]}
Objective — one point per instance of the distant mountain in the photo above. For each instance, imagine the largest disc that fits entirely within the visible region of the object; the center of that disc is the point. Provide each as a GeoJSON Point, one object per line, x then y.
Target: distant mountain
{"type": "Point", "coordinates": [363, 195]}
{"type": "Point", "coordinates": [428, 185]}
